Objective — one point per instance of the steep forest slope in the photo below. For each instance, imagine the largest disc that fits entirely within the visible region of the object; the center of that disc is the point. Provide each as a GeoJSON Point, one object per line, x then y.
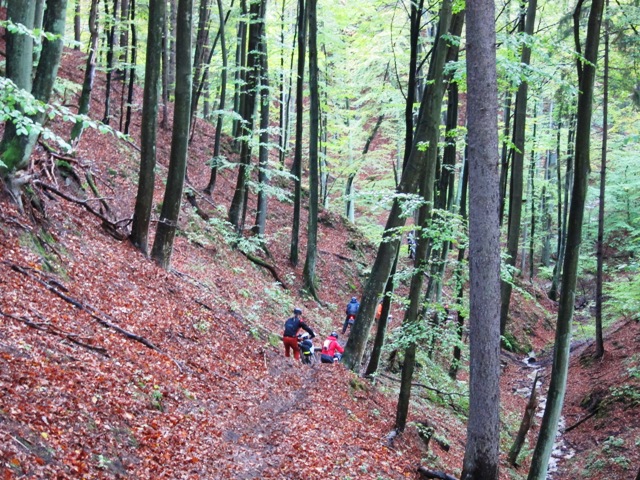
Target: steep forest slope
{"type": "Point", "coordinates": [111, 367]}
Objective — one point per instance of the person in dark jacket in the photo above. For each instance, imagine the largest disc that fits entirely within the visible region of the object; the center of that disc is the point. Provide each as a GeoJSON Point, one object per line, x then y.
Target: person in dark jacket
{"type": "Point", "coordinates": [352, 310]}
{"type": "Point", "coordinates": [331, 350]}
{"type": "Point", "coordinates": [290, 335]}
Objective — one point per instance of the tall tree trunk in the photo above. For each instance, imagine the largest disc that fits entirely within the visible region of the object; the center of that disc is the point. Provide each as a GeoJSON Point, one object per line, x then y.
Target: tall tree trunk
{"type": "Point", "coordinates": [168, 222]}
{"type": "Point", "coordinates": [146, 178]}
{"type": "Point", "coordinates": [603, 176]}
{"type": "Point", "coordinates": [459, 275]}
{"type": "Point", "coordinates": [89, 72]}
{"type": "Point", "coordinates": [263, 154]}
{"type": "Point", "coordinates": [415, 25]}
{"type": "Point", "coordinates": [16, 149]}
{"type": "Point", "coordinates": [199, 66]}
{"type": "Point", "coordinates": [241, 65]}
{"type": "Point", "coordinates": [223, 94]}
{"type": "Point", "coordinates": [132, 67]}
{"type": "Point", "coordinates": [381, 330]}
{"type": "Point", "coordinates": [504, 164]}
{"type": "Point", "coordinates": [18, 69]}
{"type": "Point", "coordinates": [77, 25]}
{"type": "Point", "coordinates": [309, 270]}
{"type": "Point", "coordinates": [166, 45]}
{"type": "Point", "coordinates": [429, 122]}
{"type": "Point", "coordinates": [111, 39]}
{"type": "Point", "coordinates": [349, 190]}
{"type": "Point", "coordinates": [481, 456]}
{"type": "Point", "coordinates": [237, 209]}
{"type": "Point", "coordinates": [558, 384]}
{"type": "Point", "coordinates": [515, 197]}
{"type": "Point", "coordinates": [296, 168]}
{"type": "Point", "coordinates": [562, 225]}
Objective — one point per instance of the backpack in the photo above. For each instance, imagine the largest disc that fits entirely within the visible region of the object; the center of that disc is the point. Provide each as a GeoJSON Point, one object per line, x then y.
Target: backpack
{"type": "Point", "coordinates": [352, 308]}
{"type": "Point", "coordinates": [291, 327]}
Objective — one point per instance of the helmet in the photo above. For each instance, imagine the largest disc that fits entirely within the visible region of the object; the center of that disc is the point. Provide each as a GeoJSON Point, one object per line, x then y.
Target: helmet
{"type": "Point", "coordinates": [334, 334]}
{"type": "Point", "coordinates": [304, 336]}
{"type": "Point", "coordinates": [354, 299]}
{"type": "Point", "coordinates": [297, 311]}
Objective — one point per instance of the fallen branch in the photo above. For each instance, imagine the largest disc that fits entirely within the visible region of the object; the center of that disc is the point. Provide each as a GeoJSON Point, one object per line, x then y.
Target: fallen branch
{"type": "Point", "coordinates": [341, 257]}
{"type": "Point", "coordinates": [113, 228]}
{"type": "Point", "coordinates": [262, 263]}
{"type": "Point", "coordinates": [92, 311]}
{"type": "Point", "coordinates": [52, 329]}
{"type": "Point", "coordinates": [425, 472]}
{"type": "Point", "coordinates": [582, 420]}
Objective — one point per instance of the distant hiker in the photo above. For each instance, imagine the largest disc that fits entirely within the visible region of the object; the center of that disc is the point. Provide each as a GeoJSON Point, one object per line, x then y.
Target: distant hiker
{"type": "Point", "coordinates": [331, 349]}
{"type": "Point", "coordinates": [411, 244]}
{"type": "Point", "coordinates": [379, 310]}
{"type": "Point", "coordinates": [290, 336]}
{"type": "Point", "coordinates": [352, 310]}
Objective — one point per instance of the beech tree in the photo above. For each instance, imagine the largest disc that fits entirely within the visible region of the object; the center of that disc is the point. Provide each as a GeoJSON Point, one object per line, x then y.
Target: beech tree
{"type": "Point", "coordinates": [146, 178]}
{"type": "Point", "coordinates": [560, 368]}
{"type": "Point", "coordinates": [168, 222]}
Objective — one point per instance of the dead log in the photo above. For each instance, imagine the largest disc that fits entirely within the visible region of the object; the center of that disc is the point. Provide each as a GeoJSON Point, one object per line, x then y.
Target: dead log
{"type": "Point", "coordinates": [52, 329]}
{"type": "Point", "coordinates": [113, 228]}
{"type": "Point", "coordinates": [426, 473]}
{"type": "Point", "coordinates": [525, 425]}
{"type": "Point", "coordinates": [271, 268]}
{"type": "Point", "coordinates": [191, 198]}
{"type": "Point", "coordinates": [92, 311]}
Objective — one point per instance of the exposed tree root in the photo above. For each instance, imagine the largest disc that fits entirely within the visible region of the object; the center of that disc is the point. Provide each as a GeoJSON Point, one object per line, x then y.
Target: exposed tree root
{"type": "Point", "coordinates": [426, 473]}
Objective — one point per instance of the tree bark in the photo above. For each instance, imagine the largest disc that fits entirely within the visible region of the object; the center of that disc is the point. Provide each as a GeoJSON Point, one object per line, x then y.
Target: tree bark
{"type": "Point", "coordinates": [517, 168]}
{"type": "Point", "coordinates": [146, 178]}
{"type": "Point", "coordinates": [111, 38]}
{"type": "Point", "coordinates": [296, 168]}
{"type": "Point", "coordinates": [132, 66]}
{"type": "Point", "coordinates": [237, 209]}
{"type": "Point", "coordinates": [263, 153]}
{"type": "Point", "coordinates": [558, 383]}
{"type": "Point", "coordinates": [429, 122]}
{"type": "Point", "coordinates": [89, 72]}
{"type": "Point", "coordinates": [603, 176]}
{"type": "Point", "coordinates": [481, 457]}
{"type": "Point", "coordinates": [309, 270]}
{"type": "Point", "coordinates": [77, 25]}
{"type": "Point", "coordinates": [223, 94]}
{"type": "Point", "coordinates": [168, 222]}
{"type": "Point", "coordinates": [525, 424]}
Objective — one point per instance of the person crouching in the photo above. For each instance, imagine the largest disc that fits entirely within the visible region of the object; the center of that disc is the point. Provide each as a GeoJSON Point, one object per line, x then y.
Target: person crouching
{"type": "Point", "coordinates": [331, 349]}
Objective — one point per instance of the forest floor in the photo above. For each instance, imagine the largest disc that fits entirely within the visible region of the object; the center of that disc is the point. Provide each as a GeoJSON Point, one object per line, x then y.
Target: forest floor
{"type": "Point", "coordinates": [111, 367]}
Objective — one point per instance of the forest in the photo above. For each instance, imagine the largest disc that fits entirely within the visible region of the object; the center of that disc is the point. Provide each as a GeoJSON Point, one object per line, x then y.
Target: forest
{"type": "Point", "coordinates": [176, 176]}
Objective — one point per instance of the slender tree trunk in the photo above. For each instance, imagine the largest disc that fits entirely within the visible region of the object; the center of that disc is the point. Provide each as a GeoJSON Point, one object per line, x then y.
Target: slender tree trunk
{"type": "Point", "coordinates": [199, 67]}
{"type": "Point", "coordinates": [263, 154]}
{"type": "Point", "coordinates": [132, 67]}
{"type": "Point", "coordinates": [223, 94]}
{"type": "Point", "coordinates": [89, 72]}
{"type": "Point", "coordinates": [296, 168]}
{"type": "Point", "coordinates": [481, 457]}
{"type": "Point", "coordinates": [168, 222]}
{"type": "Point", "coordinates": [111, 38]}
{"type": "Point", "coordinates": [459, 276]}
{"type": "Point", "coordinates": [515, 198]}
{"type": "Point", "coordinates": [429, 122]}
{"type": "Point", "coordinates": [603, 176]}
{"type": "Point", "coordinates": [562, 226]}
{"type": "Point", "coordinates": [349, 190]}
{"type": "Point", "coordinates": [378, 343]}
{"type": "Point", "coordinates": [504, 168]}
{"type": "Point", "coordinates": [172, 31]}
{"type": "Point", "coordinates": [240, 74]}
{"type": "Point", "coordinates": [77, 26]}
{"type": "Point", "coordinates": [237, 209]}
{"type": "Point", "coordinates": [166, 45]}
{"type": "Point", "coordinates": [309, 270]}
{"type": "Point", "coordinates": [558, 384]}
{"type": "Point", "coordinates": [146, 178]}
{"type": "Point", "coordinates": [525, 425]}
{"type": "Point", "coordinates": [416, 24]}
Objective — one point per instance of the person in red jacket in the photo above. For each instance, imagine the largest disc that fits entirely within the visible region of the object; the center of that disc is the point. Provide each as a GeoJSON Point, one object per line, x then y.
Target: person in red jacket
{"type": "Point", "coordinates": [290, 336]}
{"type": "Point", "coordinates": [331, 349]}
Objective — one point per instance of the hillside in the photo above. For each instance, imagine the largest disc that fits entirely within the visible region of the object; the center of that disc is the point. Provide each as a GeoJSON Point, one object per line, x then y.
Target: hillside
{"type": "Point", "coordinates": [114, 368]}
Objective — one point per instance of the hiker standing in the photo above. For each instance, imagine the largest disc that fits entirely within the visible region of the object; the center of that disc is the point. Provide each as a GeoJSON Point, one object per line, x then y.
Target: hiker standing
{"type": "Point", "coordinates": [290, 335]}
